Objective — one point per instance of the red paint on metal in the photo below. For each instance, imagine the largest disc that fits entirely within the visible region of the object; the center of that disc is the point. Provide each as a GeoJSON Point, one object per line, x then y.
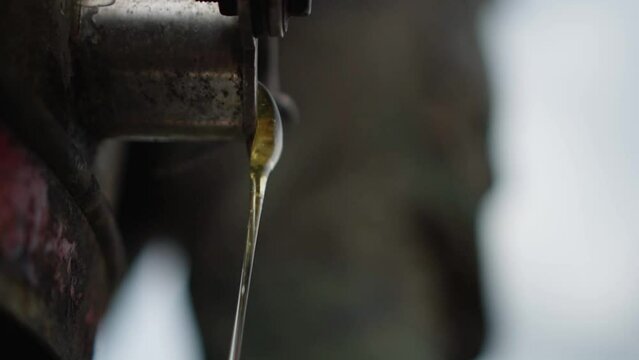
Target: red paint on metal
{"type": "Point", "coordinates": [30, 235]}
{"type": "Point", "coordinates": [23, 200]}
{"type": "Point", "coordinates": [48, 250]}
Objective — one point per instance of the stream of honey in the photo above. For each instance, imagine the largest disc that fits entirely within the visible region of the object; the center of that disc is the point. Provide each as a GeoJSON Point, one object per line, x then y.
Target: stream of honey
{"type": "Point", "coordinates": [264, 151]}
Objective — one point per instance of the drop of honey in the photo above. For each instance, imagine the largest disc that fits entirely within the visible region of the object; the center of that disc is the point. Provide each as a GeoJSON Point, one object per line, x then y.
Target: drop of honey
{"type": "Point", "coordinates": [265, 148]}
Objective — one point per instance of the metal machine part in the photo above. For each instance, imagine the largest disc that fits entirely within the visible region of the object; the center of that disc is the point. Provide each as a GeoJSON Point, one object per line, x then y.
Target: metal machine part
{"type": "Point", "coordinates": [174, 69]}
{"type": "Point", "coordinates": [270, 17]}
{"type": "Point", "coordinates": [54, 276]}
{"type": "Point", "coordinates": [164, 69]}
{"type": "Point", "coordinates": [76, 72]}
{"type": "Point", "coordinates": [61, 253]}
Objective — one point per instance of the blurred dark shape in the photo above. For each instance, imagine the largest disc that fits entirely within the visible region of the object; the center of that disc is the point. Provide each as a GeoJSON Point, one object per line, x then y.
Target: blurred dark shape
{"type": "Point", "coordinates": [21, 342]}
{"type": "Point", "coordinates": [367, 247]}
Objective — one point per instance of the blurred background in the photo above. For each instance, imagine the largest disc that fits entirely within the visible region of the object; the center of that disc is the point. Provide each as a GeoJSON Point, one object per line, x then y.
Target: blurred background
{"type": "Point", "coordinates": [460, 186]}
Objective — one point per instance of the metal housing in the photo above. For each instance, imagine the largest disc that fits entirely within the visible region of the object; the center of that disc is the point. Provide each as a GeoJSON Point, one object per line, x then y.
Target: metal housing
{"type": "Point", "coordinates": [163, 69]}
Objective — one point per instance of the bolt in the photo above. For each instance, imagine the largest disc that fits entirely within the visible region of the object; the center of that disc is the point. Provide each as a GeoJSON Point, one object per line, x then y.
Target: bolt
{"type": "Point", "coordinates": [261, 18]}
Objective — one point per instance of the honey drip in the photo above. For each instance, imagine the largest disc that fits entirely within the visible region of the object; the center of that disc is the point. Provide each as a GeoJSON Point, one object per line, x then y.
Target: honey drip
{"type": "Point", "coordinates": [265, 148]}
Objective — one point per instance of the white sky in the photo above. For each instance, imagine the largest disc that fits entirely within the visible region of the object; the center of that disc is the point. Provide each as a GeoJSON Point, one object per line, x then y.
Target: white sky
{"type": "Point", "coordinates": [151, 317]}
{"type": "Point", "coordinates": [561, 232]}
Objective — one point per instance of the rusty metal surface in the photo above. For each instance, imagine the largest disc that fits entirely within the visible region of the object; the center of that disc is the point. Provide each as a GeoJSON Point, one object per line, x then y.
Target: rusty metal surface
{"type": "Point", "coordinates": [53, 278]}
{"type": "Point", "coordinates": [24, 113]}
{"type": "Point", "coordinates": [53, 272]}
{"type": "Point", "coordinates": [161, 69]}
{"type": "Point", "coordinates": [72, 76]}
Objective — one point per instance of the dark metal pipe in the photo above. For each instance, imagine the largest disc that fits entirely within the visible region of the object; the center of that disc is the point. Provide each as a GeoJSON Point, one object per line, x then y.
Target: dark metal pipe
{"type": "Point", "coordinates": [163, 69]}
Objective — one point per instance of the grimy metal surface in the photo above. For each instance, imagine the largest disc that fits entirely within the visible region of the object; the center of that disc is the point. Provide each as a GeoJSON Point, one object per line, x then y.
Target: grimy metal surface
{"type": "Point", "coordinates": [53, 276]}
{"type": "Point", "coordinates": [71, 76]}
{"type": "Point", "coordinates": [162, 69]}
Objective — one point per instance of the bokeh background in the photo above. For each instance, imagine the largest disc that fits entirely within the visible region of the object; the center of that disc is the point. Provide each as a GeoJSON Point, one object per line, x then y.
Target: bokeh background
{"type": "Point", "coordinates": [368, 246]}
